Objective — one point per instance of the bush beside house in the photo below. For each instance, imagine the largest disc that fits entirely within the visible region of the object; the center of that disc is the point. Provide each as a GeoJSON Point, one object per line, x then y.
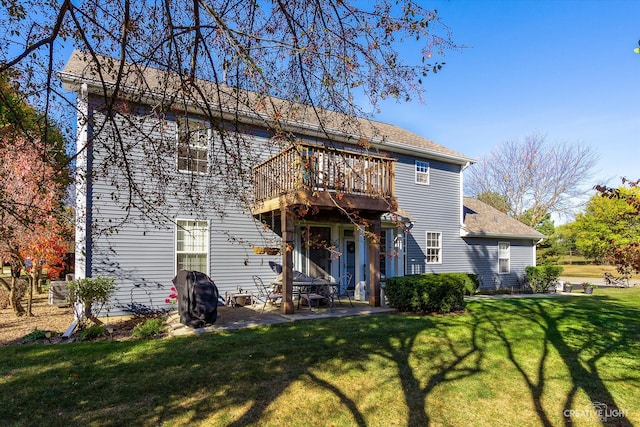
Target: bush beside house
{"type": "Point", "coordinates": [542, 278]}
{"type": "Point", "coordinates": [431, 293]}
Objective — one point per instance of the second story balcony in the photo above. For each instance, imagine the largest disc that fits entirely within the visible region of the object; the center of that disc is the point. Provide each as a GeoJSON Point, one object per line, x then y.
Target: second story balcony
{"type": "Point", "coordinates": [324, 177]}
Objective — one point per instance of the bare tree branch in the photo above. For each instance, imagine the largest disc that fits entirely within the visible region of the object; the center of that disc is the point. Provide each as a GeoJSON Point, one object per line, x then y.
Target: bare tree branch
{"type": "Point", "coordinates": [534, 177]}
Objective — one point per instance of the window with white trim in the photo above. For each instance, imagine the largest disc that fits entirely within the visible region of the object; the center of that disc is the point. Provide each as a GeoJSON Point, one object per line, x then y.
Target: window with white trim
{"type": "Point", "coordinates": [504, 257]}
{"type": "Point", "coordinates": [422, 172]}
{"type": "Point", "coordinates": [433, 250]}
{"type": "Point", "coordinates": [192, 245]}
{"type": "Point", "coordinates": [193, 145]}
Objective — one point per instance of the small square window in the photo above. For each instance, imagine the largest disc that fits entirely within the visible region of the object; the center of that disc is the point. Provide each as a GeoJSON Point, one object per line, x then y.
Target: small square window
{"type": "Point", "coordinates": [422, 172]}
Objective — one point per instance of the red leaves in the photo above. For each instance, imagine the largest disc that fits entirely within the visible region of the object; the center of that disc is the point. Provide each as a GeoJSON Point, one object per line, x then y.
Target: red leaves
{"type": "Point", "coordinates": [31, 199]}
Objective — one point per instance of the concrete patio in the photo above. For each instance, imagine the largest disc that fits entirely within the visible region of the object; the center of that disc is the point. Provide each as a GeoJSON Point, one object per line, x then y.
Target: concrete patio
{"type": "Point", "coordinates": [248, 316]}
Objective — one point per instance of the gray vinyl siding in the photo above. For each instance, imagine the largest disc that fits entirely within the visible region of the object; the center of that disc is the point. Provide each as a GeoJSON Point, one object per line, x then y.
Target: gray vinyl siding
{"type": "Point", "coordinates": [434, 207]}
{"type": "Point", "coordinates": [483, 255]}
{"type": "Point", "coordinates": [139, 252]}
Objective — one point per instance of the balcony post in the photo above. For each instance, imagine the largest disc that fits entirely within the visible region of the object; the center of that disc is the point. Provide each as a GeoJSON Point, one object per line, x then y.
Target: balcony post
{"type": "Point", "coordinates": [374, 263]}
{"type": "Point", "coordinates": [288, 230]}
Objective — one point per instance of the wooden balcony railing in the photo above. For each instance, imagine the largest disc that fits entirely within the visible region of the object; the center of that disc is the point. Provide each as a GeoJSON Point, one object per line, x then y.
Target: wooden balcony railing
{"type": "Point", "coordinates": [315, 169]}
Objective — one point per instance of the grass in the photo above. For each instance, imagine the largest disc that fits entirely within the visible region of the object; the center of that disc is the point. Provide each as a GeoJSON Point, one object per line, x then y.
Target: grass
{"type": "Point", "coordinates": [504, 362]}
{"type": "Point", "coordinates": [580, 267]}
{"type": "Point", "coordinates": [587, 270]}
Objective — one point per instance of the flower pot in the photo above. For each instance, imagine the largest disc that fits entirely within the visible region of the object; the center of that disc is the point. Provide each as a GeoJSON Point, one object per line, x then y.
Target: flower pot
{"type": "Point", "coordinates": [567, 288]}
{"type": "Point", "coordinates": [588, 289]}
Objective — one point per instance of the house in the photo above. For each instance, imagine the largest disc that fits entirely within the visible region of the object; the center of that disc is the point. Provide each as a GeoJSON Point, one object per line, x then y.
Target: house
{"type": "Point", "coordinates": [498, 247]}
{"type": "Point", "coordinates": [313, 192]}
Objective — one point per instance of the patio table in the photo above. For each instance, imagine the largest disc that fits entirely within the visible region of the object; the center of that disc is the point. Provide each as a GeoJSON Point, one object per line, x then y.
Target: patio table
{"type": "Point", "coordinates": [312, 290]}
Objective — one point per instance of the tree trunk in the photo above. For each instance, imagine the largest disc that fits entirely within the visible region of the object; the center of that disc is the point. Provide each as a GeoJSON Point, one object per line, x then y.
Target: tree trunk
{"type": "Point", "coordinates": [5, 284]}
{"type": "Point", "coordinates": [37, 280]}
{"type": "Point", "coordinates": [15, 297]}
{"type": "Point", "coordinates": [30, 284]}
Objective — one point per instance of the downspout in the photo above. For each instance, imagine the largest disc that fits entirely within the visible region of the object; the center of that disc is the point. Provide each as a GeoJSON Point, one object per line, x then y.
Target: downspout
{"type": "Point", "coordinates": [406, 229]}
{"type": "Point", "coordinates": [535, 251]}
{"type": "Point", "coordinates": [462, 169]}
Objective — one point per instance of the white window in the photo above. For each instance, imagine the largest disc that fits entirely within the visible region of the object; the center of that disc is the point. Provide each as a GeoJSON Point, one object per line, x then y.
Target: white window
{"type": "Point", "coordinates": [434, 248]}
{"type": "Point", "coordinates": [504, 257]}
{"type": "Point", "coordinates": [422, 172]}
{"type": "Point", "coordinates": [192, 245]}
{"type": "Point", "coordinates": [193, 145]}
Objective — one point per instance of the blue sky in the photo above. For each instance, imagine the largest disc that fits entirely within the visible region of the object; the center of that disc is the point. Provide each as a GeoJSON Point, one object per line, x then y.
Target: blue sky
{"type": "Point", "coordinates": [564, 68]}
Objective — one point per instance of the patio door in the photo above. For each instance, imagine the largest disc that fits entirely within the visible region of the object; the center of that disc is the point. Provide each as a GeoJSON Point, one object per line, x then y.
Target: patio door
{"type": "Point", "coordinates": [316, 241]}
{"type": "Point", "coordinates": [349, 258]}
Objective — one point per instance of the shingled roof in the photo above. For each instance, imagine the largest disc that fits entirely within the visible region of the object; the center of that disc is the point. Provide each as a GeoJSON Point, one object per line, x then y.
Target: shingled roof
{"type": "Point", "coordinates": [150, 83]}
{"type": "Point", "coordinates": [482, 220]}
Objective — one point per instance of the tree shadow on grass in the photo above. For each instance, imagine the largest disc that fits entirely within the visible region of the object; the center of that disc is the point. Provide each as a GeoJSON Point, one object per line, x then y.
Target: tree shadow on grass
{"type": "Point", "coordinates": [214, 377]}
{"type": "Point", "coordinates": [395, 340]}
{"type": "Point", "coordinates": [582, 331]}
{"type": "Point", "coordinates": [238, 378]}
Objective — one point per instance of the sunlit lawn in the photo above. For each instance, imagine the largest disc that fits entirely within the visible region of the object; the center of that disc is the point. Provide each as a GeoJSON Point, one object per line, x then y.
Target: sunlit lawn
{"type": "Point", "coordinates": [506, 362]}
{"type": "Point", "coordinates": [581, 267]}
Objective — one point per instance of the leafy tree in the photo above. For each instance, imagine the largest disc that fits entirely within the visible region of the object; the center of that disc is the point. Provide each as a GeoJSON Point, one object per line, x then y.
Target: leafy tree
{"type": "Point", "coordinates": [548, 251]}
{"type": "Point", "coordinates": [566, 240]}
{"type": "Point", "coordinates": [34, 181]}
{"type": "Point", "coordinates": [609, 229]}
{"type": "Point", "coordinates": [532, 177]}
{"type": "Point", "coordinates": [620, 210]}
{"type": "Point", "coordinates": [32, 236]}
{"type": "Point", "coordinates": [277, 61]}
{"type": "Point", "coordinates": [496, 200]}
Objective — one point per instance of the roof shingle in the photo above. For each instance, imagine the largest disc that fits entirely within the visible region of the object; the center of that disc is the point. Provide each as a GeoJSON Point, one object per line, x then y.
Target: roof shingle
{"type": "Point", "coordinates": [482, 220]}
{"type": "Point", "coordinates": [169, 87]}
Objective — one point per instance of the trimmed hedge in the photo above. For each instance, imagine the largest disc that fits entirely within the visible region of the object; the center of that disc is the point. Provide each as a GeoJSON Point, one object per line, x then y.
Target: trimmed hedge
{"type": "Point", "coordinates": [431, 293]}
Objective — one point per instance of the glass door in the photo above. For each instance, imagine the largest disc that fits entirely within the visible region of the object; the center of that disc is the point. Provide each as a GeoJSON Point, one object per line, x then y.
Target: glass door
{"type": "Point", "coordinates": [348, 264]}
{"type": "Point", "coordinates": [316, 244]}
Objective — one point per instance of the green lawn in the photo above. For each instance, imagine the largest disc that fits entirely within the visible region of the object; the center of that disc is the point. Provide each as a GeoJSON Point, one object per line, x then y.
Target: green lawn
{"type": "Point", "coordinates": [504, 362]}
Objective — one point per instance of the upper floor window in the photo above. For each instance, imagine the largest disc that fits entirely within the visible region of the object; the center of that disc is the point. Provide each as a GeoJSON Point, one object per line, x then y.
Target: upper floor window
{"type": "Point", "coordinates": [433, 250]}
{"type": "Point", "coordinates": [504, 257]}
{"type": "Point", "coordinates": [422, 172]}
{"type": "Point", "coordinates": [193, 145]}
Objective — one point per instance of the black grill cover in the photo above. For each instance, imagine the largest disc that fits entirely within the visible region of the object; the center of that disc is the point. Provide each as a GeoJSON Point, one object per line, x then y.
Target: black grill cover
{"type": "Point", "coordinates": [197, 298]}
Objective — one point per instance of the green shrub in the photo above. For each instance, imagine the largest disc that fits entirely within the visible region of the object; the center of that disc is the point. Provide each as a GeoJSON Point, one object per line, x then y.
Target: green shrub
{"type": "Point", "coordinates": [35, 335]}
{"type": "Point", "coordinates": [92, 332]}
{"type": "Point", "coordinates": [542, 278]}
{"type": "Point", "coordinates": [92, 292]}
{"type": "Point", "coordinates": [149, 329]}
{"type": "Point", "coordinates": [431, 293]}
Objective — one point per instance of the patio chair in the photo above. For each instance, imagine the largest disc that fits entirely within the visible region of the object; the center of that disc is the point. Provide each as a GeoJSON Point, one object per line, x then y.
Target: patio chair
{"type": "Point", "coordinates": [310, 293]}
{"type": "Point", "coordinates": [265, 295]}
{"type": "Point", "coordinates": [345, 280]}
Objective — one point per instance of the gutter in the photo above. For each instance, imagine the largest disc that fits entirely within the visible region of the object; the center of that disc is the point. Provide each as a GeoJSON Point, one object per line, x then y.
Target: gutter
{"type": "Point", "coordinates": [536, 237]}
